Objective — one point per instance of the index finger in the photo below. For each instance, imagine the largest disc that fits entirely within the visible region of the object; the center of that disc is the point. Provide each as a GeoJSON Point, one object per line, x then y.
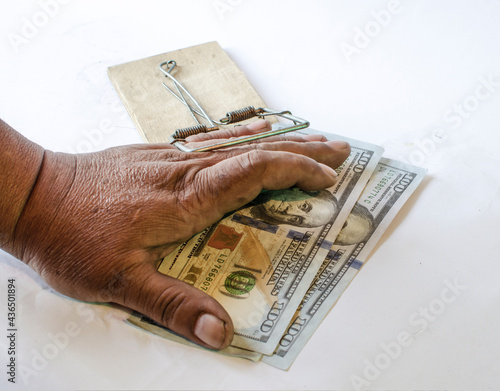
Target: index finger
{"type": "Point", "coordinates": [258, 126]}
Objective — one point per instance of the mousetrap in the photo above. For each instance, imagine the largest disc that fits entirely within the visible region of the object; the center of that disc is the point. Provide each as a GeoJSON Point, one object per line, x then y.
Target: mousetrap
{"type": "Point", "coordinates": [164, 109]}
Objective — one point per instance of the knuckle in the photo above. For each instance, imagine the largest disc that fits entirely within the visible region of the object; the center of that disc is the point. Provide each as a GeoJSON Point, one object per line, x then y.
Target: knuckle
{"type": "Point", "coordinates": [233, 132]}
{"type": "Point", "coordinates": [255, 162]}
{"type": "Point", "coordinates": [168, 305]}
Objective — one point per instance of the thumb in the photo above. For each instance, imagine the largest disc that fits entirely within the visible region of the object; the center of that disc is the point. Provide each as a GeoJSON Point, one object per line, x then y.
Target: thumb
{"type": "Point", "coordinates": [181, 308]}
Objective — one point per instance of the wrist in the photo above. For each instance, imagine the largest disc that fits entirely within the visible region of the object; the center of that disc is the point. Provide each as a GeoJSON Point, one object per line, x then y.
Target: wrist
{"type": "Point", "coordinates": [20, 163]}
{"type": "Point", "coordinates": [36, 231]}
{"type": "Point", "coordinates": [33, 184]}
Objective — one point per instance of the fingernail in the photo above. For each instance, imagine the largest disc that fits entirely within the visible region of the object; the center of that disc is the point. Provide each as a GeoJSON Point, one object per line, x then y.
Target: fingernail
{"type": "Point", "coordinates": [338, 144]}
{"type": "Point", "coordinates": [210, 330]}
{"type": "Point", "coordinates": [257, 125]}
{"type": "Point", "coordinates": [329, 170]}
{"type": "Point", "coordinates": [314, 137]}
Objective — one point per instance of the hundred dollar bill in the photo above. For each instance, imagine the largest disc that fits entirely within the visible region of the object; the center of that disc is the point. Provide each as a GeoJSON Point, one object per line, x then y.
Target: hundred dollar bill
{"type": "Point", "coordinates": [259, 261]}
{"type": "Point", "coordinates": [150, 325]}
{"type": "Point", "coordinates": [390, 186]}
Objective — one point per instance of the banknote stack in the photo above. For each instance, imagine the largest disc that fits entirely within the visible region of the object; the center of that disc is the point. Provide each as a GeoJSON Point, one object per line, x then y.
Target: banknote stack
{"type": "Point", "coordinates": [279, 264]}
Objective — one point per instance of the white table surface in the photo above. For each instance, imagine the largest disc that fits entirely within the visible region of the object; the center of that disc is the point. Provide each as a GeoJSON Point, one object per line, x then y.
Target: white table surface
{"type": "Point", "coordinates": [425, 84]}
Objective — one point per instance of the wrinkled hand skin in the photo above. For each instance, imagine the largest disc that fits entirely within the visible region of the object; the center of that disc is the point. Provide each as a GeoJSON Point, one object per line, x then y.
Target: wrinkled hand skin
{"type": "Point", "coordinates": [96, 225]}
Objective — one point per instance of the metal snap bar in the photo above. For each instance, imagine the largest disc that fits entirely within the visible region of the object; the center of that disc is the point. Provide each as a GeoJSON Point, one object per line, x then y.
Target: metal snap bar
{"type": "Point", "coordinates": [178, 138]}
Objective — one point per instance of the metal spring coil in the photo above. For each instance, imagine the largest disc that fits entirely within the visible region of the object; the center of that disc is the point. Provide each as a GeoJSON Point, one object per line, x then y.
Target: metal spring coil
{"type": "Point", "coordinates": [240, 115]}
{"type": "Point", "coordinates": [181, 134]}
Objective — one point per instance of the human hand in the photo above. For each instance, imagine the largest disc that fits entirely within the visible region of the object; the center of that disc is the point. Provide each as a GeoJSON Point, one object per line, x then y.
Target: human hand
{"type": "Point", "coordinates": [96, 225]}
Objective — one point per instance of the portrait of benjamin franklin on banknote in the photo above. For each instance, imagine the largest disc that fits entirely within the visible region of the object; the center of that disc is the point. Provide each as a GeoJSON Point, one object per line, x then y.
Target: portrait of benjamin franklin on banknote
{"type": "Point", "coordinates": [357, 228]}
{"type": "Point", "coordinates": [295, 207]}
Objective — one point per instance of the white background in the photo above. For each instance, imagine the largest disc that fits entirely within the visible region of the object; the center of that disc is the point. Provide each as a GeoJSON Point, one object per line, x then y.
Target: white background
{"type": "Point", "coordinates": [424, 82]}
